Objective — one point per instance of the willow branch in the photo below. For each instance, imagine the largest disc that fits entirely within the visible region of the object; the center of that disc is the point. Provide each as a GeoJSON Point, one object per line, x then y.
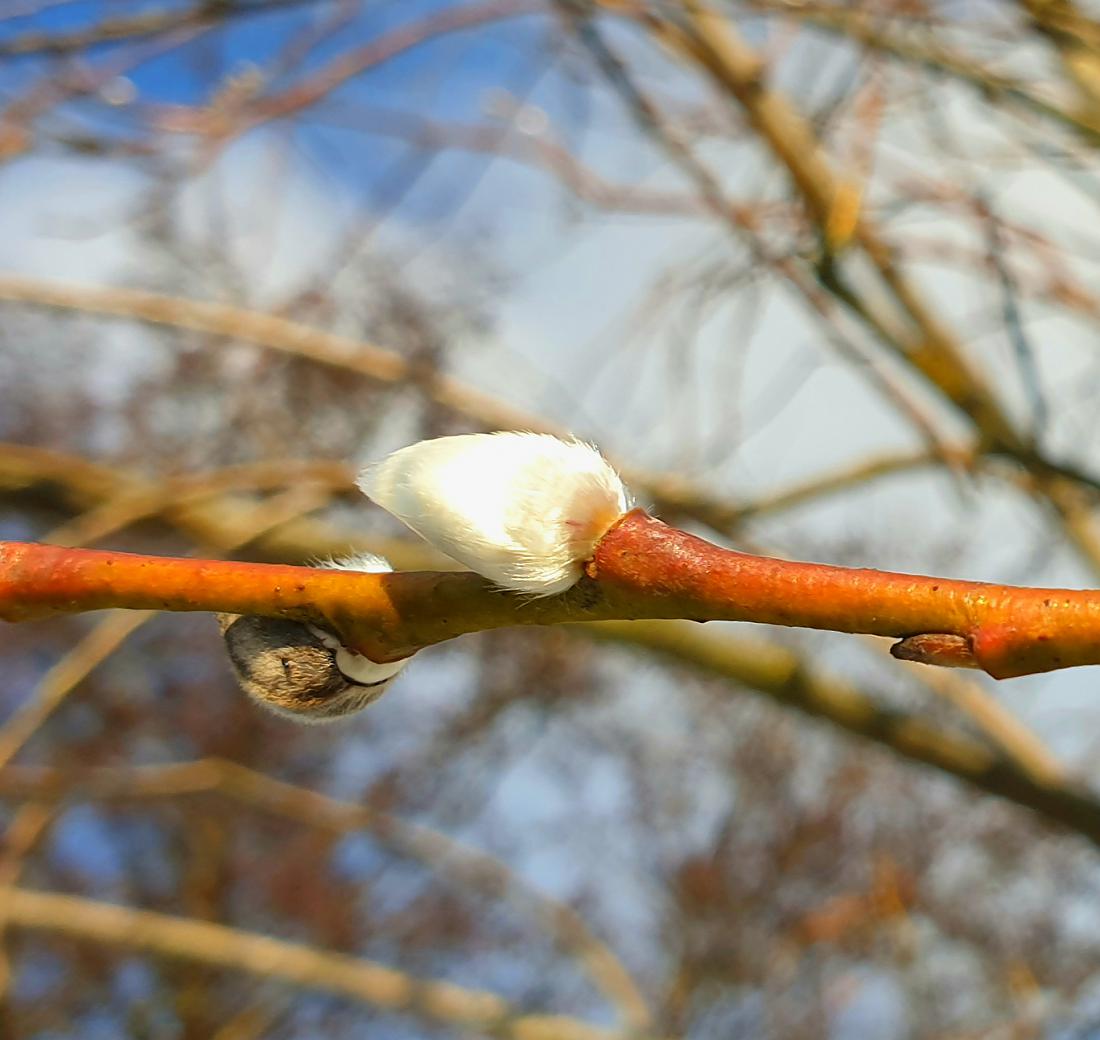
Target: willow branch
{"type": "Point", "coordinates": [784, 677]}
{"type": "Point", "coordinates": [863, 27]}
{"type": "Point", "coordinates": [996, 722]}
{"type": "Point", "coordinates": [453, 862]}
{"type": "Point", "coordinates": [709, 41]}
{"type": "Point", "coordinates": [215, 945]}
{"type": "Point", "coordinates": [129, 28]}
{"type": "Point", "coordinates": [62, 481]}
{"type": "Point", "coordinates": [641, 569]}
{"type": "Point", "coordinates": [322, 82]}
{"type": "Point", "coordinates": [1074, 37]}
{"type": "Point", "coordinates": [808, 290]}
{"type": "Point", "coordinates": [200, 504]}
{"type": "Point", "coordinates": [29, 826]}
{"type": "Point", "coordinates": [56, 685]}
{"type": "Point", "coordinates": [670, 494]}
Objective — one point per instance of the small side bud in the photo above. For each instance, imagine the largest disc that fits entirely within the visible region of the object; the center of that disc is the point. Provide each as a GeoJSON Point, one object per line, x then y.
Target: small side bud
{"type": "Point", "coordinates": [939, 648]}
{"type": "Point", "coordinates": [522, 509]}
{"type": "Point", "coordinates": [301, 671]}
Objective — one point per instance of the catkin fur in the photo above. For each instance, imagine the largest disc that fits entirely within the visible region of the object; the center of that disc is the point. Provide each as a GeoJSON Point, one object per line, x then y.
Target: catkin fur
{"type": "Point", "coordinates": [522, 509]}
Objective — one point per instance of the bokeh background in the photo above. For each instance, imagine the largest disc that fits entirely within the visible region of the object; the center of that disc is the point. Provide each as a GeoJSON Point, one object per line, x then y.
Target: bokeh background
{"type": "Point", "coordinates": [820, 277]}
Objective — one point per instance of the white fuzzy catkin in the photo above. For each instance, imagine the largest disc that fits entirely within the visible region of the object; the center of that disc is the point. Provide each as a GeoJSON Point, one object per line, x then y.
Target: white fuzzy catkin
{"type": "Point", "coordinates": [353, 666]}
{"type": "Point", "coordinates": [522, 509]}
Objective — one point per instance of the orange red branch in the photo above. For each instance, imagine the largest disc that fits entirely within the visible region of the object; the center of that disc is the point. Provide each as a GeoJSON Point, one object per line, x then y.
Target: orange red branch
{"type": "Point", "coordinates": [642, 568]}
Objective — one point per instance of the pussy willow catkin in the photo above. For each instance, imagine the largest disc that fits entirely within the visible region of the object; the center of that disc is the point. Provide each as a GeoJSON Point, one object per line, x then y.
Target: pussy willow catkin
{"type": "Point", "coordinates": [522, 509]}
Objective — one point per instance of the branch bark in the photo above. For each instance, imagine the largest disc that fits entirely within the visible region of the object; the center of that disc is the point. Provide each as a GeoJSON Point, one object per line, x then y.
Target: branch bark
{"type": "Point", "coordinates": [642, 569]}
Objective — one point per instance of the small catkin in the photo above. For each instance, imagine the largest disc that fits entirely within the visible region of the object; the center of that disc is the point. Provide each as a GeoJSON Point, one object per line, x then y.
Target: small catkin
{"type": "Point", "coordinates": [522, 509]}
{"type": "Point", "coordinates": [301, 671]}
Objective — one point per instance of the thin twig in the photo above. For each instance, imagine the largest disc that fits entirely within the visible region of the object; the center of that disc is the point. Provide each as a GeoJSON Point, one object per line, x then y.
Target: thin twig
{"type": "Point", "coordinates": [215, 945]}
{"type": "Point", "coordinates": [454, 862]}
{"type": "Point", "coordinates": [343, 353]}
